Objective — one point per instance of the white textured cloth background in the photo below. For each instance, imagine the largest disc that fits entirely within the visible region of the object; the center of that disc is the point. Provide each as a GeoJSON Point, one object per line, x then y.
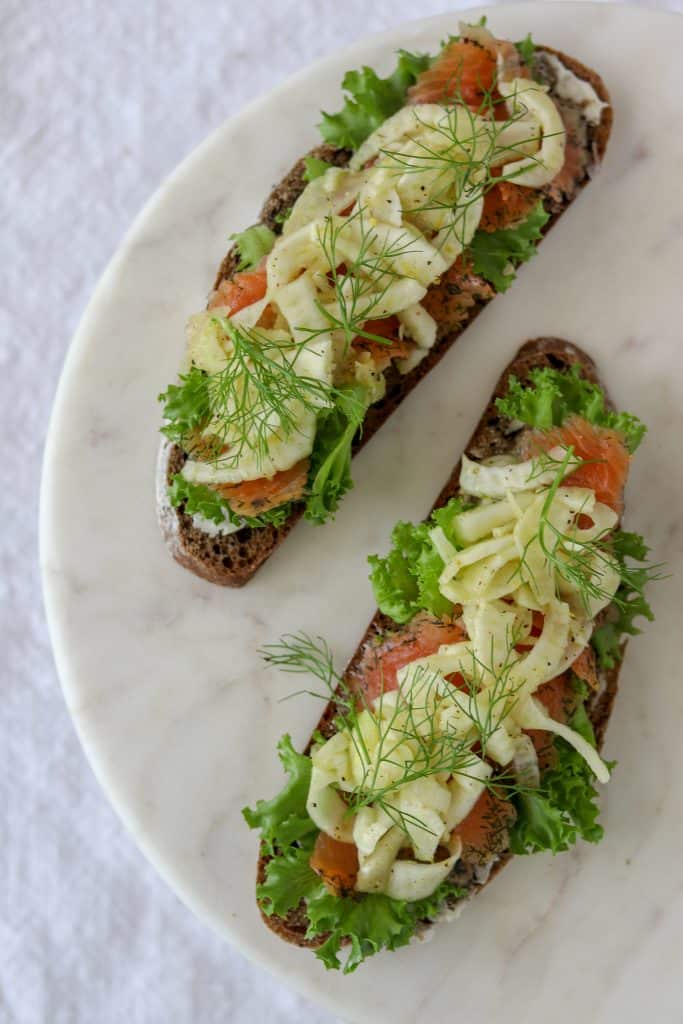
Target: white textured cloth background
{"type": "Point", "coordinates": [98, 103]}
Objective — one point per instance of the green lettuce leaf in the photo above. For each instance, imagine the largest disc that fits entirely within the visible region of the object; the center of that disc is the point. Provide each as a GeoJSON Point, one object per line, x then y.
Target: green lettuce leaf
{"type": "Point", "coordinates": [540, 825]}
{"type": "Point", "coordinates": [271, 517]}
{"type": "Point", "coordinates": [253, 244]}
{"type": "Point", "coordinates": [289, 879]}
{"type": "Point", "coordinates": [186, 405]}
{"type": "Point", "coordinates": [283, 820]}
{"type": "Point", "coordinates": [429, 567]}
{"type": "Point", "coordinates": [329, 477]}
{"type": "Point", "coordinates": [407, 579]}
{"type": "Point", "coordinates": [371, 100]}
{"type": "Point", "coordinates": [551, 396]}
{"type": "Point", "coordinates": [199, 499]}
{"type": "Point", "coordinates": [283, 215]}
{"type": "Point", "coordinates": [444, 517]}
{"type": "Point", "coordinates": [202, 500]}
{"type": "Point", "coordinates": [629, 545]}
{"type": "Point", "coordinates": [368, 923]}
{"type": "Point", "coordinates": [495, 254]}
{"type": "Point", "coordinates": [314, 167]}
{"type": "Point", "coordinates": [526, 48]}
{"type": "Point", "coordinates": [564, 808]}
{"type": "Point", "coordinates": [547, 401]}
{"type": "Point", "coordinates": [394, 579]}
{"type": "Point", "coordinates": [630, 426]}
{"type": "Point", "coordinates": [630, 602]}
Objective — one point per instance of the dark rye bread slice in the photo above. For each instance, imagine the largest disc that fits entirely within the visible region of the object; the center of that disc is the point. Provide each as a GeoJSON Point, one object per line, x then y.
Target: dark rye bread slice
{"type": "Point", "coordinates": [232, 559]}
{"type": "Point", "coordinates": [494, 435]}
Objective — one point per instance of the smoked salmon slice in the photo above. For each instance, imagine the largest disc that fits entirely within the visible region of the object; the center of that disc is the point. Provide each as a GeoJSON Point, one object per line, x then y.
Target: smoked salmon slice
{"type": "Point", "coordinates": [336, 863]}
{"type": "Point", "coordinates": [506, 204]}
{"type": "Point", "coordinates": [606, 457]}
{"type": "Point", "coordinates": [395, 347]}
{"type": "Point", "coordinates": [423, 636]}
{"type": "Point", "coordinates": [485, 829]}
{"type": "Point", "coordinates": [464, 71]}
{"type": "Point", "coordinates": [255, 496]}
{"type": "Point", "coordinates": [240, 291]}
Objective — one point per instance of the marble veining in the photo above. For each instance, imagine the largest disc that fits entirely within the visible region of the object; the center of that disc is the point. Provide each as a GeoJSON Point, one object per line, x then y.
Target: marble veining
{"type": "Point", "coordinates": [177, 713]}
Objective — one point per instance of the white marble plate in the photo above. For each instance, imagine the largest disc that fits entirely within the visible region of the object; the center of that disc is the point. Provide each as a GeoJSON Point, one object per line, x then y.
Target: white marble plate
{"type": "Point", "coordinates": [176, 713]}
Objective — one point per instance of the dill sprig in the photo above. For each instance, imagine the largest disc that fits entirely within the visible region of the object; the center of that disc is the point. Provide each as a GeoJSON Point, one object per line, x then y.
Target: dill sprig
{"type": "Point", "coordinates": [581, 563]}
{"type": "Point", "coordinates": [359, 285]}
{"type": "Point", "coordinates": [410, 745]}
{"type": "Point", "coordinates": [500, 693]}
{"type": "Point", "coordinates": [470, 160]}
{"type": "Point", "coordinates": [460, 173]}
{"type": "Point", "coordinates": [258, 395]}
{"type": "Point", "coordinates": [301, 654]}
{"type": "Point", "coordinates": [411, 729]}
{"type": "Point", "coordinates": [471, 157]}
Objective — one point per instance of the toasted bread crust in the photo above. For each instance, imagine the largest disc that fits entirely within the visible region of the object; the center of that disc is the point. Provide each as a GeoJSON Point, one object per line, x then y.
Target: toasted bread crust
{"type": "Point", "coordinates": [493, 436]}
{"type": "Point", "coordinates": [232, 559]}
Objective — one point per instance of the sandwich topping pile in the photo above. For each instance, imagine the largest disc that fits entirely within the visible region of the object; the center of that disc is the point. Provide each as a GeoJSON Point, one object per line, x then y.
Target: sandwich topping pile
{"type": "Point", "coordinates": [450, 159]}
{"type": "Point", "coordinates": [462, 731]}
